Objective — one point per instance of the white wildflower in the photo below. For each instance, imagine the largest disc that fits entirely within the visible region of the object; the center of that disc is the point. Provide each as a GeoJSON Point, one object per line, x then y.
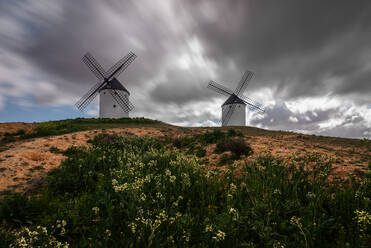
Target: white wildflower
{"type": "Point", "coordinates": [219, 236]}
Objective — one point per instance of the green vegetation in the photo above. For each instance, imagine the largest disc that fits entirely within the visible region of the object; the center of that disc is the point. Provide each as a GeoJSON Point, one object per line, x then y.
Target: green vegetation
{"type": "Point", "coordinates": [195, 144]}
{"type": "Point", "coordinates": [55, 150]}
{"type": "Point", "coordinates": [209, 137]}
{"type": "Point", "coordinates": [141, 192]}
{"type": "Point", "coordinates": [367, 143]}
{"type": "Point", "coordinates": [80, 124]}
{"type": "Point", "coordinates": [74, 125]}
{"type": "Point", "coordinates": [238, 147]}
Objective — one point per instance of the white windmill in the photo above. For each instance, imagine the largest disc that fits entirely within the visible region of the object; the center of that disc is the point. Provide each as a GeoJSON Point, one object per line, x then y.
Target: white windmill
{"type": "Point", "coordinates": [234, 108]}
{"type": "Point", "coordinates": [113, 96]}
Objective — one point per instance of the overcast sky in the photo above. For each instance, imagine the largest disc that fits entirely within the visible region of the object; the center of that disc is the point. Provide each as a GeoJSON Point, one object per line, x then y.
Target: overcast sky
{"type": "Point", "coordinates": [311, 59]}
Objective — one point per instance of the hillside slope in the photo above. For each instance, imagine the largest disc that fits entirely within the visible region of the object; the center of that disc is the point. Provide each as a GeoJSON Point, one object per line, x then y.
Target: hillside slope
{"type": "Point", "coordinates": [29, 151]}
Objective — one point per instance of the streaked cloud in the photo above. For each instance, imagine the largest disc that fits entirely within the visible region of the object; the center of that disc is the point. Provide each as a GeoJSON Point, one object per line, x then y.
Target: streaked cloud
{"type": "Point", "coordinates": [311, 59]}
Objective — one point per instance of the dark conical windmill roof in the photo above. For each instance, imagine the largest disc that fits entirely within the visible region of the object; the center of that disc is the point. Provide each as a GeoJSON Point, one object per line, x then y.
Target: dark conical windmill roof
{"type": "Point", "coordinates": [233, 99]}
{"type": "Point", "coordinates": [115, 85]}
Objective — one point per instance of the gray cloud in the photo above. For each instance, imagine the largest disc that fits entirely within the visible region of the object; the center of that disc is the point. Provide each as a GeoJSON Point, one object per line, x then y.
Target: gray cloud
{"type": "Point", "coordinates": [296, 49]}
{"type": "Point", "coordinates": [280, 117]}
{"type": "Point", "coordinates": [293, 43]}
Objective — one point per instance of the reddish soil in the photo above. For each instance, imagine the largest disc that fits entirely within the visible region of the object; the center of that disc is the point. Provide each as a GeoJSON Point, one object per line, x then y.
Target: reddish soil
{"type": "Point", "coordinates": [13, 127]}
{"type": "Point", "coordinates": [24, 163]}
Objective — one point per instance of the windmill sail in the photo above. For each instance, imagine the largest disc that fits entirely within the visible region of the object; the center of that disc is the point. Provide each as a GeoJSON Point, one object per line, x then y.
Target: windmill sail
{"type": "Point", "coordinates": [89, 96]}
{"type": "Point", "coordinates": [94, 66]}
{"type": "Point", "coordinates": [121, 65]}
{"type": "Point", "coordinates": [236, 98]}
{"type": "Point", "coordinates": [105, 79]}
{"type": "Point", "coordinates": [255, 105]}
{"type": "Point", "coordinates": [219, 88]}
{"type": "Point", "coordinates": [243, 82]}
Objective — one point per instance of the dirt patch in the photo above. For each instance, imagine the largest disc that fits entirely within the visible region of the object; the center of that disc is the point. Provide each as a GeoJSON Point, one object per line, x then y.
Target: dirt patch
{"type": "Point", "coordinates": [13, 127]}
{"type": "Point", "coordinates": [24, 161]}
{"type": "Point", "coordinates": [348, 158]}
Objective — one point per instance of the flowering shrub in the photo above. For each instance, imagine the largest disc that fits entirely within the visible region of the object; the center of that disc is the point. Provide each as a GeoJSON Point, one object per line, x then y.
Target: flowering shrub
{"type": "Point", "coordinates": [41, 237]}
{"type": "Point", "coordinates": [136, 192]}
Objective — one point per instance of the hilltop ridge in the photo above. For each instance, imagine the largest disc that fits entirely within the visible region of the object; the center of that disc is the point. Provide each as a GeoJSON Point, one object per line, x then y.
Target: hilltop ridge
{"type": "Point", "coordinates": [27, 150]}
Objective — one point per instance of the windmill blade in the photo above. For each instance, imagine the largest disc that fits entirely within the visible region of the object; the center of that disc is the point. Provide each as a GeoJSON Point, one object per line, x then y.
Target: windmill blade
{"type": "Point", "coordinates": [121, 65]}
{"type": "Point", "coordinates": [253, 104]}
{"type": "Point", "coordinates": [89, 96]}
{"type": "Point", "coordinates": [94, 66]}
{"type": "Point", "coordinates": [259, 108]}
{"type": "Point", "coordinates": [256, 108]}
{"type": "Point", "coordinates": [119, 100]}
{"type": "Point", "coordinates": [87, 102]}
{"type": "Point", "coordinates": [243, 82]}
{"type": "Point", "coordinates": [124, 99]}
{"type": "Point", "coordinates": [248, 99]}
{"type": "Point", "coordinates": [228, 115]}
{"type": "Point", "coordinates": [219, 88]}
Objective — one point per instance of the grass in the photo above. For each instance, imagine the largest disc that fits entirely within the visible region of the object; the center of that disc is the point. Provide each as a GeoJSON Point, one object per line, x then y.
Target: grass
{"type": "Point", "coordinates": [50, 128]}
{"type": "Point", "coordinates": [147, 192]}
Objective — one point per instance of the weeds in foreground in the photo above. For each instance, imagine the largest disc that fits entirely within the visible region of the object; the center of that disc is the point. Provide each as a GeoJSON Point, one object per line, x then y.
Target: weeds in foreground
{"type": "Point", "coordinates": [136, 192]}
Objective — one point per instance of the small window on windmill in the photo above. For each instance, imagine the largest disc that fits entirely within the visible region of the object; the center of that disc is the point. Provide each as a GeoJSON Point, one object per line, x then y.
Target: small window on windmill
{"type": "Point", "coordinates": [104, 93]}
{"type": "Point", "coordinates": [114, 105]}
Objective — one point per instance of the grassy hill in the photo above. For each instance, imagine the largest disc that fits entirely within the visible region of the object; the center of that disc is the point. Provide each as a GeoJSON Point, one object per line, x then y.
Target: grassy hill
{"type": "Point", "coordinates": [143, 183]}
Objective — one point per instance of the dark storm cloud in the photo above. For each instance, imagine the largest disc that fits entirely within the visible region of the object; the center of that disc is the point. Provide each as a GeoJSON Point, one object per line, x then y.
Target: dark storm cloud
{"type": "Point", "coordinates": [293, 45]}
{"type": "Point", "coordinates": [296, 44]}
{"type": "Point", "coordinates": [107, 29]}
{"type": "Point", "coordinates": [182, 86]}
{"type": "Point", "coordinates": [296, 49]}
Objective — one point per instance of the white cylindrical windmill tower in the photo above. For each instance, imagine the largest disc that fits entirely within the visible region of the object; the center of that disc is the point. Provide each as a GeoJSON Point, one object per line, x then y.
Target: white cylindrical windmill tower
{"type": "Point", "coordinates": [113, 96]}
{"type": "Point", "coordinates": [234, 109]}
{"type": "Point", "coordinates": [234, 112]}
{"type": "Point", "coordinates": [108, 106]}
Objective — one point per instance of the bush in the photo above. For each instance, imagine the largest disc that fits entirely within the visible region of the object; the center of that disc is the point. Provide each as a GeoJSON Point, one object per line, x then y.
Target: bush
{"type": "Point", "coordinates": [20, 210]}
{"type": "Point", "coordinates": [225, 159]}
{"type": "Point", "coordinates": [20, 132]}
{"type": "Point", "coordinates": [135, 192]}
{"type": "Point", "coordinates": [237, 146]}
{"type": "Point", "coordinates": [55, 150]}
{"type": "Point", "coordinates": [233, 133]}
{"type": "Point", "coordinates": [200, 152]}
{"type": "Point", "coordinates": [182, 142]}
{"type": "Point", "coordinates": [8, 139]}
{"type": "Point", "coordinates": [46, 128]}
{"type": "Point", "coordinates": [211, 137]}
{"type": "Point", "coordinates": [103, 140]}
